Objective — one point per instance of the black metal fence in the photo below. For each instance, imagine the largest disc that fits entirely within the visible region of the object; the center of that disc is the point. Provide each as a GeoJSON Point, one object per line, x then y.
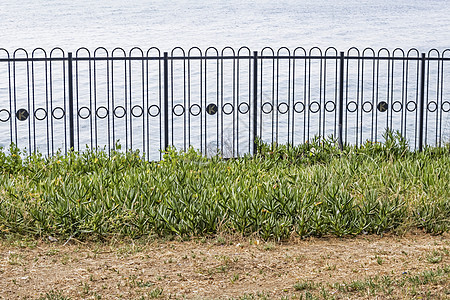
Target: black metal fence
{"type": "Point", "coordinates": [220, 101]}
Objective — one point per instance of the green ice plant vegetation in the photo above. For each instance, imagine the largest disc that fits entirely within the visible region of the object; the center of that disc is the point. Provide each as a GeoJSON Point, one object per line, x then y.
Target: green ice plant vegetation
{"type": "Point", "coordinates": [313, 189]}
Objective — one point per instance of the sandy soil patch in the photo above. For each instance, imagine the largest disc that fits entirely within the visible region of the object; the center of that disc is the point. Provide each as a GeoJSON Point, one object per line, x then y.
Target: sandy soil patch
{"type": "Point", "coordinates": [227, 268]}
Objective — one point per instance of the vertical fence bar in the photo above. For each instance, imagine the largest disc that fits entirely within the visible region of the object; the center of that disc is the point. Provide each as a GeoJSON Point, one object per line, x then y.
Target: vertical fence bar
{"type": "Point", "coordinates": [422, 100]}
{"type": "Point", "coordinates": [341, 100]}
{"type": "Point", "coordinates": [166, 100]}
{"type": "Point", "coordinates": [70, 80]}
{"type": "Point", "coordinates": [255, 101]}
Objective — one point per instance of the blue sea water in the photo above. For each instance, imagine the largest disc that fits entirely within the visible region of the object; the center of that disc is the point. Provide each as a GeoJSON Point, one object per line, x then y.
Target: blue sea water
{"type": "Point", "coordinates": [203, 23]}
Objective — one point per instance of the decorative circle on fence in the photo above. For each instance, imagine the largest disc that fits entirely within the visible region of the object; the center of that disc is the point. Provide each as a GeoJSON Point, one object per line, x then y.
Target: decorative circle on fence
{"type": "Point", "coordinates": [312, 109]}
{"type": "Point", "coordinates": [246, 108]}
{"type": "Point", "coordinates": [296, 109]}
{"type": "Point", "coordinates": [365, 108]}
{"type": "Point", "coordinates": [432, 106]}
{"type": "Point", "coordinates": [352, 106]}
{"type": "Point", "coordinates": [120, 111]}
{"type": "Point", "coordinates": [332, 108]}
{"type": "Point", "coordinates": [397, 106]}
{"type": "Point", "coordinates": [382, 106]}
{"type": "Point", "coordinates": [195, 109]}
{"type": "Point", "coordinates": [7, 116]}
{"type": "Point", "coordinates": [409, 108]}
{"type": "Point", "coordinates": [178, 110]}
{"type": "Point", "coordinates": [211, 109]}
{"type": "Point", "coordinates": [84, 109]}
{"type": "Point", "coordinates": [227, 110]}
{"type": "Point", "coordinates": [58, 113]}
{"type": "Point", "coordinates": [445, 106]}
{"type": "Point", "coordinates": [267, 108]}
{"type": "Point", "coordinates": [22, 114]}
{"type": "Point", "coordinates": [140, 111]}
{"type": "Point", "coordinates": [153, 110]}
{"type": "Point", "coordinates": [101, 112]}
{"type": "Point", "coordinates": [40, 114]}
{"type": "Point", "coordinates": [280, 108]}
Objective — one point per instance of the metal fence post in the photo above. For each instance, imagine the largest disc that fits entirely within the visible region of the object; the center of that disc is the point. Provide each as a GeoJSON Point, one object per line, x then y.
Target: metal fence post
{"type": "Point", "coordinates": [422, 100]}
{"type": "Point", "coordinates": [341, 100]}
{"type": "Point", "coordinates": [166, 101]}
{"type": "Point", "coordinates": [70, 79]}
{"type": "Point", "coordinates": [255, 101]}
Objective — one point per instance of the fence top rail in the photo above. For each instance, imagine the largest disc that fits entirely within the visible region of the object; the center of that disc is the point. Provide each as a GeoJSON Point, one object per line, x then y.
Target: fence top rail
{"type": "Point", "coordinates": [175, 58]}
{"type": "Point", "coordinates": [224, 52]}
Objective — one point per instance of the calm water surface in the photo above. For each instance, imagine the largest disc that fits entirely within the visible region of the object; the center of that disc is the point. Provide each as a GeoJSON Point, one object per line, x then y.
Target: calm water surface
{"type": "Point", "coordinates": [166, 24]}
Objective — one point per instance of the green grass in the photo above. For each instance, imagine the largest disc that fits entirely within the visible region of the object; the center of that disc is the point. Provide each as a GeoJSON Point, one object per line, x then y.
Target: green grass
{"type": "Point", "coordinates": [312, 189]}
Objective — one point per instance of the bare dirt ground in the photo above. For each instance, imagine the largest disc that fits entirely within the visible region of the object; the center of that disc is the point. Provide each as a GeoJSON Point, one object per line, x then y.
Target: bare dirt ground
{"type": "Point", "coordinates": [365, 267]}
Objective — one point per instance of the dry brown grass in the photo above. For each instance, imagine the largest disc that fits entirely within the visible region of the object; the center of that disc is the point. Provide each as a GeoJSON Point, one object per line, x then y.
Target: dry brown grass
{"type": "Point", "coordinates": [227, 267]}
